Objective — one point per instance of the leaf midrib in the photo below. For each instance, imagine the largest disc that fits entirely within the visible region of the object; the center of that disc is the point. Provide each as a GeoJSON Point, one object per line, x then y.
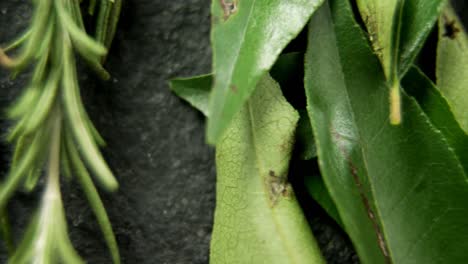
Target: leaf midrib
{"type": "Point", "coordinates": [235, 60]}
{"type": "Point", "coordinates": [261, 168]}
{"type": "Point", "coordinates": [361, 149]}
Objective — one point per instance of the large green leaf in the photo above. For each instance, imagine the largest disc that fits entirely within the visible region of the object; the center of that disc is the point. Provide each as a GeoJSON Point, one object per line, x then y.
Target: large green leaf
{"type": "Point", "coordinates": [257, 217]}
{"type": "Point", "coordinates": [379, 17]}
{"type": "Point", "coordinates": [195, 90]}
{"type": "Point", "coordinates": [452, 65]}
{"type": "Point", "coordinates": [400, 190]}
{"type": "Point", "coordinates": [438, 110]}
{"type": "Point", "coordinates": [247, 37]}
{"type": "Point", "coordinates": [397, 30]}
{"type": "Point", "coordinates": [410, 30]}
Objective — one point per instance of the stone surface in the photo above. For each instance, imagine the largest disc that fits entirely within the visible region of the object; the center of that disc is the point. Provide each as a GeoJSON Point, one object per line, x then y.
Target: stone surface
{"type": "Point", "coordinates": [163, 210]}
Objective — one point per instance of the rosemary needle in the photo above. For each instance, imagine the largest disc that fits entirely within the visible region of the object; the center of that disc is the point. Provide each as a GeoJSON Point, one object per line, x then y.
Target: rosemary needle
{"type": "Point", "coordinates": [52, 130]}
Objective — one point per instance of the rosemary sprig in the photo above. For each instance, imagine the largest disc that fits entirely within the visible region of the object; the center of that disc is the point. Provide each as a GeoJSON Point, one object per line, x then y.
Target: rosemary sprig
{"type": "Point", "coordinates": [52, 129]}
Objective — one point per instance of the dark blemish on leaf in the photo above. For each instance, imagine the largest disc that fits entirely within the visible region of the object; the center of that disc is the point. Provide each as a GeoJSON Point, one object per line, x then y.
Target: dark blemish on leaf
{"type": "Point", "coordinates": [234, 88]}
{"type": "Point", "coordinates": [215, 20]}
{"type": "Point", "coordinates": [285, 146]}
{"type": "Point", "coordinates": [229, 8]}
{"type": "Point", "coordinates": [370, 212]}
{"type": "Point", "coordinates": [450, 28]}
{"type": "Point", "coordinates": [277, 187]}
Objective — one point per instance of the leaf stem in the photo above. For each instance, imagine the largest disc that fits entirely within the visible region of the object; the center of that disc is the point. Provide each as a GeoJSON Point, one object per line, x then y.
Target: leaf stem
{"type": "Point", "coordinates": [395, 104]}
{"type": "Point", "coordinates": [52, 196]}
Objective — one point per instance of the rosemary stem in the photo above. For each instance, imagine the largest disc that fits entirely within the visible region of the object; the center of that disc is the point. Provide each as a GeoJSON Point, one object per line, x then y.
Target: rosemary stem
{"type": "Point", "coordinates": [6, 232]}
{"type": "Point", "coordinates": [52, 196]}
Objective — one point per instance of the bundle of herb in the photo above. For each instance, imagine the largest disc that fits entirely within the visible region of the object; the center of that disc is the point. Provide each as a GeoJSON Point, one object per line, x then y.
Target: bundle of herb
{"type": "Point", "coordinates": [52, 130]}
{"type": "Point", "coordinates": [392, 175]}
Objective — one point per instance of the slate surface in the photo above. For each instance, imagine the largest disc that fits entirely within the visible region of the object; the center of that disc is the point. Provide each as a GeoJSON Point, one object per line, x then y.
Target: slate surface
{"type": "Point", "coordinates": [164, 208]}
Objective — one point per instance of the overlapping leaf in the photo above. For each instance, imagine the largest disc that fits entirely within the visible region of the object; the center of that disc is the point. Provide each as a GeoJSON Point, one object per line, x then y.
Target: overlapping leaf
{"type": "Point", "coordinates": [397, 30]}
{"type": "Point", "coordinates": [398, 35]}
{"type": "Point", "coordinates": [257, 217]}
{"type": "Point", "coordinates": [438, 110]}
{"type": "Point", "coordinates": [247, 37]}
{"type": "Point", "coordinates": [195, 90]}
{"type": "Point", "coordinates": [400, 191]}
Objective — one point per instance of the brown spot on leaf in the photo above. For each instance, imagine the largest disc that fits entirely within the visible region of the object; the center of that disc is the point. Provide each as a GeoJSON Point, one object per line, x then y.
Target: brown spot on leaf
{"type": "Point", "coordinates": [229, 8]}
{"type": "Point", "coordinates": [451, 29]}
{"type": "Point", "coordinates": [362, 193]}
{"type": "Point", "coordinates": [234, 88]}
{"type": "Point", "coordinates": [277, 187]}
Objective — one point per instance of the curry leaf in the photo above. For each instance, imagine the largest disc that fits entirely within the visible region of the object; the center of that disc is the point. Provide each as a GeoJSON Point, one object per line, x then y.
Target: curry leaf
{"type": "Point", "coordinates": [317, 189]}
{"type": "Point", "coordinates": [400, 190]}
{"type": "Point", "coordinates": [194, 90]}
{"type": "Point", "coordinates": [305, 141]}
{"type": "Point", "coordinates": [438, 110]}
{"type": "Point", "coordinates": [416, 21]}
{"type": "Point", "coordinates": [452, 65]}
{"type": "Point", "coordinates": [257, 217]}
{"type": "Point", "coordinates": [247, 37]}
{"type": "Point", "coordinates": [379, 17]}
{"type": "Point", "coordinates": [397, 30]}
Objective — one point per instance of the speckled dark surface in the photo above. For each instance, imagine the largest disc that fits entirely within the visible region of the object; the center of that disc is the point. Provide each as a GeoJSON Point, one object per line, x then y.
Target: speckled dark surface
{"type": "Point", "coordinates": [163, 210]}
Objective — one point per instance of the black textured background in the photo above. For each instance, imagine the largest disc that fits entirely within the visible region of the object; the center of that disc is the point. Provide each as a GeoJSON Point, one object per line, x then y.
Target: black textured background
{"type": "Point", "coordinates": [163, 210]}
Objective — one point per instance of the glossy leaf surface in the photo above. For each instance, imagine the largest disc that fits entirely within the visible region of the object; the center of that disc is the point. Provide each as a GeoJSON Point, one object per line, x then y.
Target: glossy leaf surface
{"type": "Point", "coordinates": [247, 37]}
{"type": "Point", "coordinates": [400, 190]}
{"type": "Point", "coordinates": [416, 21]}
{"type": "Point", "coordinates": [438, 110]}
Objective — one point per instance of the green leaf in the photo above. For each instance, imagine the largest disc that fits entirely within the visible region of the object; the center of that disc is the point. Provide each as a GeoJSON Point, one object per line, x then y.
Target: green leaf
{"type": "Point", "coordinates": [400, 190]}
{"type": "Point", "coordinates": [438, 110]}
{"type": "Point", "coordinates": [257, 217]}
{"type": "Point", "coordinates": [397, 30]}
{"type": "Point", "coordinates": [418, 19]}
{"type": "Point", "coordinates": [382, 21]}
{"type": "Point", "coordinates": [379, 18]}
{"type": "Point", "coordinates": [305, 141]}
{"type": "Point", "coordinates": [452, 65]}
{"type": "Point", "coordinates": [247, 37]}
{"type": "Point", "coordinates": [92, 195]}
{"type": "Point", "coordinates": [317, 189]}
{"type": "Point", "coordinates": [288, 69]}
{"type": "Point", "coordinates": [195, 90]}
